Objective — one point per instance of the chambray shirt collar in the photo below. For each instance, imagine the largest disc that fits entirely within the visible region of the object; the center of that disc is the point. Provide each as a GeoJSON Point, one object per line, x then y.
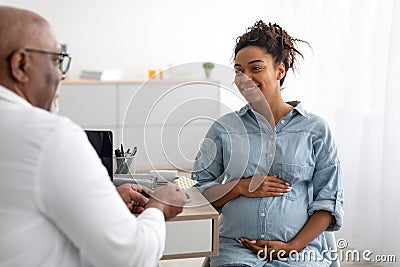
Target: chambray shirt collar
{"type": "Point", "coordinates": [296, 104]}
{"type": "Point", "coordinates": [299, 108]}
{"type": "Point", "coordinates": [245, 109]}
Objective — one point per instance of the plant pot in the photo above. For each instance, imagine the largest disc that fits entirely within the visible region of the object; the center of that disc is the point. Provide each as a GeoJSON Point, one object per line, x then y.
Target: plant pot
{"type": "Point", "coordinates": [208, 72]}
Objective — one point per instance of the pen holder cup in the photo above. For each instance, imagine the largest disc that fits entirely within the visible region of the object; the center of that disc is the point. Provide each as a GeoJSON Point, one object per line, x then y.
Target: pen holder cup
{"type": "Point", "coordinates": [124, 165]}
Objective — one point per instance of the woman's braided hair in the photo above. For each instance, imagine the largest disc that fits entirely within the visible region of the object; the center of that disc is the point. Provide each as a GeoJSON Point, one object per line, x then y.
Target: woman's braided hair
{"type": "Point", "coordinates": [274, 40]}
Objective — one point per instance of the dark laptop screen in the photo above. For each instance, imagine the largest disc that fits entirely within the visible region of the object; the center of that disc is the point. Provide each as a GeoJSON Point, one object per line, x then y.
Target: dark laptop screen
{"type": "Point", "coordinates": [102, 141]}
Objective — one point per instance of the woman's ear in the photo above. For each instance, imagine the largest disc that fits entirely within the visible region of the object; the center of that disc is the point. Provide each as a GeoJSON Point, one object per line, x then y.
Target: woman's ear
{"type": "Point", "coordinates": [19, 63]}
{"type": "Point", "coordinates": [280, 71]}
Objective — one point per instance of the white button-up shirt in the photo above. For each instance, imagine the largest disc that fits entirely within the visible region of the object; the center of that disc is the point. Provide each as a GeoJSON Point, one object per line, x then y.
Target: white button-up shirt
{"type": "Point", "coordinates": [58, 206]}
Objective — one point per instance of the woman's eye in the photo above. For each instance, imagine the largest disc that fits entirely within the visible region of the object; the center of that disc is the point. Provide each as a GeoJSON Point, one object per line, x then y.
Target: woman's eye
{"type": "Point", "coordinates": [238, 72]}
{"type": "Point", "coordinates": [256, 68]}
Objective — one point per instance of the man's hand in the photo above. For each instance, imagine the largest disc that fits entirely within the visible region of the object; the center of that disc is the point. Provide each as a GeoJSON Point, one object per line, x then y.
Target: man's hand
{"type": "Point", "coordinates": [133, 196]}
{"type": "Point", "coordinates": [275, 249]}
{"type": "Point", "coordinates": [169, 199]}
{"type": "Point", "coordinates": [263, 186]}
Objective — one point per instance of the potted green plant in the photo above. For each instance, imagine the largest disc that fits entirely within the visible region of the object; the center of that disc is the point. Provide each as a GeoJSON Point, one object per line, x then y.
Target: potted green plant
{"type": "Point", "coordinates": [208, 66]}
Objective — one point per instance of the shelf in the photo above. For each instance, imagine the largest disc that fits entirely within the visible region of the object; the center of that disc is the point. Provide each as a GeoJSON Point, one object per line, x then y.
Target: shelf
{"type": "Point", "coordinates": [128, 82]}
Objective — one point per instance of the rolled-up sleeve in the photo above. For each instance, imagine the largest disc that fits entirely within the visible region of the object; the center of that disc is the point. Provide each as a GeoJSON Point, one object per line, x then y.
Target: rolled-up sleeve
{"type": "Point", "coordinates": [328, 194]}
{"type": "Point", "coordinates": [327, 182]}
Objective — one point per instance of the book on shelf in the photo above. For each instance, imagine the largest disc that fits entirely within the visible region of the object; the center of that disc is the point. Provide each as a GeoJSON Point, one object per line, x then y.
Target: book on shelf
{"type": "Point", "coordinates": [102, 75]}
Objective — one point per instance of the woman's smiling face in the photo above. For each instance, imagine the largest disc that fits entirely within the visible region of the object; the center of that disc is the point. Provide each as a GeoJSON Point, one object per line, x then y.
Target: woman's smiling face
{"type": "Point", "coordinates": [259, 70]}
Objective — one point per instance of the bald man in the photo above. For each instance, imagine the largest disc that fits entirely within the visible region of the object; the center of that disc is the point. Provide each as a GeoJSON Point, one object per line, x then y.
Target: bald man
{"type": "Point", "coordinates": [58, 206]}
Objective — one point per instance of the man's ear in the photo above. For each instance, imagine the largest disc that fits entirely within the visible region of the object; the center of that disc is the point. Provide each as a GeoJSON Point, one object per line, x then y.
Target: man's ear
{"type": "Point", "coordinates": [19, 63]}
{"type": "Point", "coordinates": [280, 71]}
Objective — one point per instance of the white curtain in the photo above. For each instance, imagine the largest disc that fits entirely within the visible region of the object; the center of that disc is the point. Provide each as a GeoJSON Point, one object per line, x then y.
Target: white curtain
{"type": "Point", "coordinates": [352, 82]}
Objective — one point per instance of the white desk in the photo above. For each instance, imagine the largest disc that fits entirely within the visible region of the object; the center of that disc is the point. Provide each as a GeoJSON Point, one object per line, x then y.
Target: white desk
{"type": "Point", "coordinates": [194, 232]}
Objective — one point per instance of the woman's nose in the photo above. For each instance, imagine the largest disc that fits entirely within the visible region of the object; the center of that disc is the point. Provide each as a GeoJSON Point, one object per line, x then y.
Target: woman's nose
{"type": "Point", "coordinates": [247, 74]}
{"type": "Point", "coordinates": [244, 76]}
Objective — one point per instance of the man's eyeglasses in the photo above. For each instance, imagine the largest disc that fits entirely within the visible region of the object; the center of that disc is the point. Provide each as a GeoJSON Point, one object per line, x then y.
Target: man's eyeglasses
{"type": "Point", "coordinates": [64, 60]}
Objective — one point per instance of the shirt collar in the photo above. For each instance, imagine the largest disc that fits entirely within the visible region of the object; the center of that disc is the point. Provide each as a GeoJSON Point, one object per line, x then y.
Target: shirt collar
{"type": "Point", "coordinates": [299, 108]}
{"type": "Point", "coordinates": [244, 110]}
{"type": "Point", "coordinates": [10, 96]}
{"type": "Point", "coordinates": [296, 106]}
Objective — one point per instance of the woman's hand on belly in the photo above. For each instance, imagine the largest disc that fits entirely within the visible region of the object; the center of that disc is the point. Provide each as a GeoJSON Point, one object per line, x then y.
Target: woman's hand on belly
{"type": "Point", "coordinates": [263, 186]}
{"type": "Point", "coordinates": [268, 249]}
{"type": "Point", "coordinates": [256, 186]}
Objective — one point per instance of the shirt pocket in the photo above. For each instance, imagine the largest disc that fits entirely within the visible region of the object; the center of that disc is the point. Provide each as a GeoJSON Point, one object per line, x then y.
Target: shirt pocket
{"type": "Point", "coordinates": [298, 177]}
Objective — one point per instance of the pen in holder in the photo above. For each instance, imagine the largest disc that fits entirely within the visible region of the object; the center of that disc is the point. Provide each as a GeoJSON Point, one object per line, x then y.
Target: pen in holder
{"type": "Point", "coordinates": [125, 165]}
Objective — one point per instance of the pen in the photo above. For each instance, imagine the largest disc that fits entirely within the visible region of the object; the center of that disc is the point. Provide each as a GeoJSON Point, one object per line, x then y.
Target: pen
{"type": "Point", "coordinates": [134, 151]}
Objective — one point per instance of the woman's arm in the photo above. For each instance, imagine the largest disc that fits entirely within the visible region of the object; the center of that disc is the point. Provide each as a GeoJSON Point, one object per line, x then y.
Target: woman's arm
{"type": "Point", "coordinates": [257, 186]}
{"type": "Point", "coordinates": [316, 224]}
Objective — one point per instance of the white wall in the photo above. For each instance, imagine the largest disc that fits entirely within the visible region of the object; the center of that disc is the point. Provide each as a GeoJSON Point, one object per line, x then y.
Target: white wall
{"type": "Point", "coordinates": [138, 35]}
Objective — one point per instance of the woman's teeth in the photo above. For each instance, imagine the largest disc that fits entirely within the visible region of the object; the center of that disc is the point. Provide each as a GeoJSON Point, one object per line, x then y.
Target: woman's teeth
{"type": "Point", "coordinates": [250, 88]}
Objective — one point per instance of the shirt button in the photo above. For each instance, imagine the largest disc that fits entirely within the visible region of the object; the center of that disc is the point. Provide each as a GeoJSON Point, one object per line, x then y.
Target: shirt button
{"type": "Point", "coordinates": [262, 236]}
{"type": "Point", "coordinates": [194, 175]}
{"type": "Point", "coordinates": [282, 121]}
{"type": "Point", "coordinates": [270, 155]}
{"type": "Point", "coordinates": [339, 194]}
{"type": "Point", "coordinates": [271, 136]}
{"type": "Point", "coordinates": [262, 214]}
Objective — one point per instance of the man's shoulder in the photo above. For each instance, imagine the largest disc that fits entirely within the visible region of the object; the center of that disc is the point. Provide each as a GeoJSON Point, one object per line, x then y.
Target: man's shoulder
{"type": "Point", "coordinates": [45, 122]}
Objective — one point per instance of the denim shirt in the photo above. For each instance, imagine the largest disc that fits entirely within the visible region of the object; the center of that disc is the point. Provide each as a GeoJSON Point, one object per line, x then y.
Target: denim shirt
{"type": "Point", "coordinates": [301, 151]}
